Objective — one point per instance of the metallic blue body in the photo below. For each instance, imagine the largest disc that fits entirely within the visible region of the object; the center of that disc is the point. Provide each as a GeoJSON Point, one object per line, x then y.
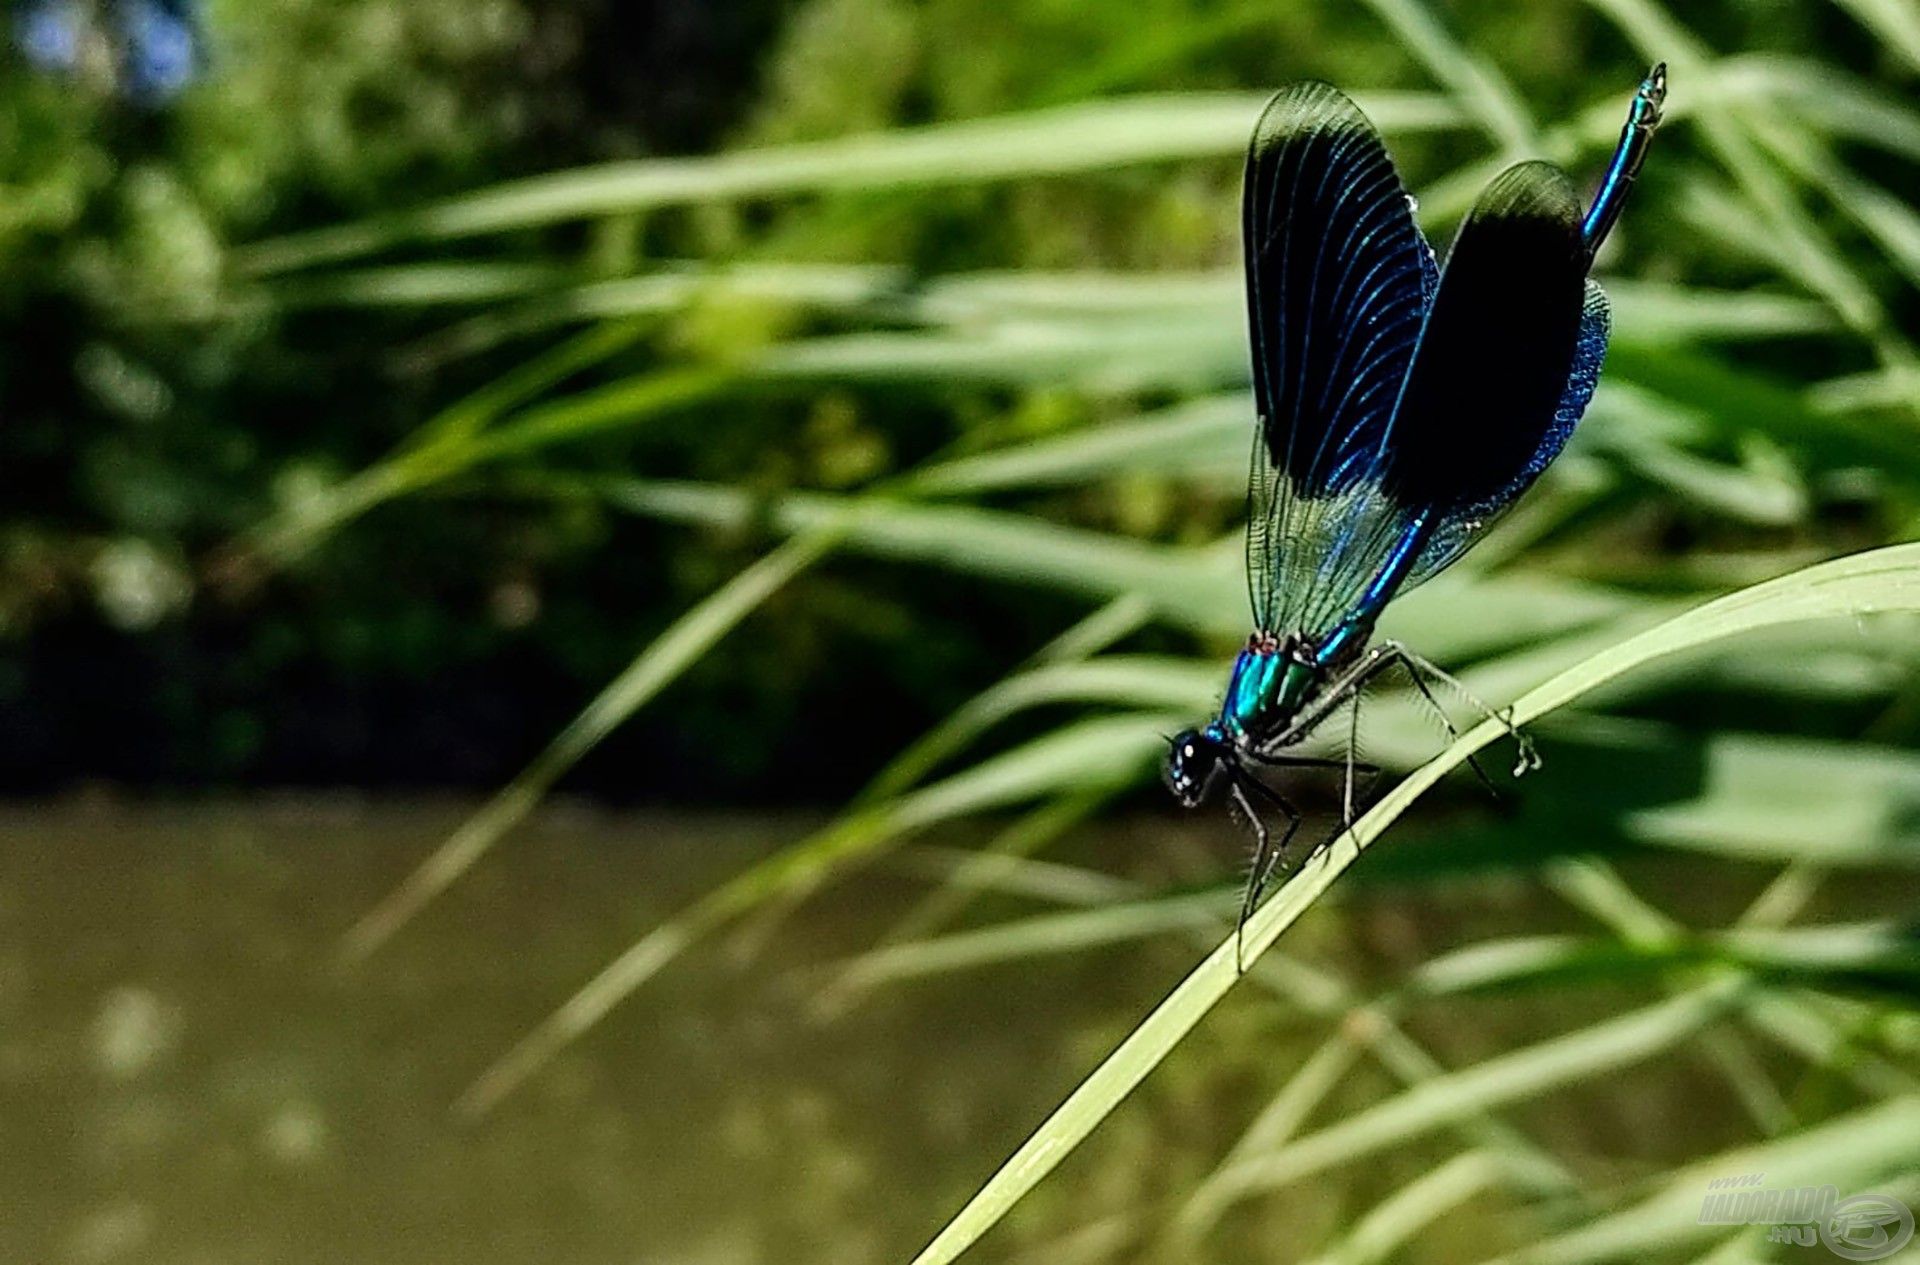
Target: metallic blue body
{"type": "Point", "coordinates": [1251, 690]}
{"type": "Point", "coordinates": [1271, 682]}
{"type": "Point", "coordinates": [1642, 117]}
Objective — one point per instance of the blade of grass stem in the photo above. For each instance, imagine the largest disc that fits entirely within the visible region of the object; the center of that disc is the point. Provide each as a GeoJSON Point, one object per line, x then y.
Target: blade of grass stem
{"type": "Point", "coordinates": [1504, 1079]}
{"type": "Point", "coordinates": [1091, 752]}
{"type": "Point", "coordinates": [1398, 1219]}
{"type": "Point", "coordinates": [1067, 139]}
{"type": "Point", "coordinates": [1881, 579]}
{"type": "Point", "coordinates": [1846, 1152]}
{"type": "Point", "coordinates": [653, 669]}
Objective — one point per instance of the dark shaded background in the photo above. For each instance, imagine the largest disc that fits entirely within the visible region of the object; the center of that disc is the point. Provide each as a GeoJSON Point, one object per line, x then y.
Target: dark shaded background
{"type": "Point", "coordinates": [154, 408]}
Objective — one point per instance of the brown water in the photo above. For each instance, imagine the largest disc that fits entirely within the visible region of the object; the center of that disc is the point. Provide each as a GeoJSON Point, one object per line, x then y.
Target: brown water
{"type": "Point", "coordinates": [186, 1078]}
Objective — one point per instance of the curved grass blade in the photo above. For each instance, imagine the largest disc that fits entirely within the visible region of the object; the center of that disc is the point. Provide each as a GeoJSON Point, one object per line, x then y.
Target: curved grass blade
{"type": "Point", "coordinates": [1090, 753]}
{"type": "Point", "coordinates": [1137, 680]}
{"type": "Point", "coordinates": [997, 860]}
{"type": "Point", "coordinates": [1078, 138]}
{"type": "Point", "coordinates": [1884, 579]}
{"type": "Point", "coordinates": [1172, 351]}
{"type": "Point", "coordinates": [1039, 936]}
{"type": "Point", "coordinates": [1204, 436]}
{"type": "Point", "coordinates": [418, 285]}
{"type": "Point", "coordinates": [1119, 618]}
{"type": "Point", "coordinates": [681, 644]}
{"type": "Point", "coordinates": [670, 289]}
{"type": "Point", "coordinates": [1895, 25]}
{"type": "Point", "coordinates": [465, 435]}
{"type": "Point", "coordinates": [1819, 952]}
{"type": "Point", "coordinates": [995, 543]}
{"type": "Point", "coordinates": [1383, 1230]}
{"type": "Point", "coordinates": [1849, 1152]}
{"type": "Point", "coordinates": [1657, 314]}
{"type": "Point", "coordinates": [1507, 1078]}
{"type": "Point", "coordinates": [1048, 882]}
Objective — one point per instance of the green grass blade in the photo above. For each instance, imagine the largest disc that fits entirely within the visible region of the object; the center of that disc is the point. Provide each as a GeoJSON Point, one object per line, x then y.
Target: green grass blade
{"type": "Point", "coordinates": [1766, 798]}
{"type": "Point", "coordinates": [1088, 754]}
{"type": "Point", "coordinates": [1476, 81]}
{"type": "Point", "coordinates": [652, 670]}
{"type": "Point", "coordinates": [1830, 99]}
{"type": "Point", "coordinates": [1077, 138]}
{"type": "Point", "coordinates": [1008, 852]}
{"type": "Point", "coordinates": [1398, 1219]}
{"type": "Point", "coordinates": [1179, 685]}
{"type": "Point", "coordinates": [1849, 1152]}
{"type": "Point", "coordinates": [456, 439]}
{"type": "Point", "coordinates": [997, 544]}
{"type": "Point", "coordinates": [1206, 435]}
{"type": "Point", "coordinates": [474, 413]}
{"type": "Point", "coordinates": [1656, 314]}
{"type": "Point", "coordinates": [1508, 1078]}
{"type": "Point", "coordinates": [1117, 620]}
{"type": "Point", "coordinates": [1039, 936]}
{"type": "Point", "coordinates": [1885, 579]}
{"type": "Point", "coordinates": [1645, 311]}
{"type": "Point", "coordinates": [1135, 353]}
{"type": "Point", "coordinates": [418, 285]}
{"type": "Point", "coordinates": [1894, 23]}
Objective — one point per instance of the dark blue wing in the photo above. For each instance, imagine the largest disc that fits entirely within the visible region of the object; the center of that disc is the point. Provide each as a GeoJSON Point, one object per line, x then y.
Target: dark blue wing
{"type": "Point", "coordinates": [1497, 347]}
{"type": "Point", "coordinates": [1462, 526]}
{"type": "Point", "coordinates": [1481, 413]}
{"type": "Point", "coordinates": [1338, 280]}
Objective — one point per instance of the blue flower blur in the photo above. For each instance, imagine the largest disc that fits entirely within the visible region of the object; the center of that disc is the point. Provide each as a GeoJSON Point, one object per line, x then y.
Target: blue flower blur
{"type": "Point", "coordinates": [149, 50]}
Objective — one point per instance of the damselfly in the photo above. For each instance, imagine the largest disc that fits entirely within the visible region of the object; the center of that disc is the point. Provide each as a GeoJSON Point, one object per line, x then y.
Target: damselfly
{"type": "Point", "coordinates": [1402, 408]}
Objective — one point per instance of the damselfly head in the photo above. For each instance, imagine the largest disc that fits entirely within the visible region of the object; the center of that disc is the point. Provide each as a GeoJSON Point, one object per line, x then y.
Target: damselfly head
{"type": "Point", "coordinates": [1193, 766]}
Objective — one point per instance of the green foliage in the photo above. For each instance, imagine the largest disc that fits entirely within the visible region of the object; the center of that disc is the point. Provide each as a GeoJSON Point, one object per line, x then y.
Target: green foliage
{"type": "Point", "coordinates": [949, 337]}
{"type": "Point", "coordinates": [152, 405]}
{"type": "Point", "coordinates": [1059, 293]}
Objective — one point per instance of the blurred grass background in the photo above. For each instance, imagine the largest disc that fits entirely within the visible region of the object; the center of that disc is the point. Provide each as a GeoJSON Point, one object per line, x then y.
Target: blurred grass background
{"type": "Point", "coordinates": [836, 411]}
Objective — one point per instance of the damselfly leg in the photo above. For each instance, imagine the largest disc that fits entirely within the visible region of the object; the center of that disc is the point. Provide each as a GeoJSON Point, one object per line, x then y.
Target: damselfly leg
{"type": "Point", "coordinates": [1267, 858]}
{"type": "Point", "coordinates": [1266, 853]}
{"type": "Point", "coordinates": [1527, 757]}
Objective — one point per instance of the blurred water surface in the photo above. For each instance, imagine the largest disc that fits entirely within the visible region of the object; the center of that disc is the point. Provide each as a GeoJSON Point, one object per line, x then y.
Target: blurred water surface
{"type": "Point", "coordinates": [186, 1075]}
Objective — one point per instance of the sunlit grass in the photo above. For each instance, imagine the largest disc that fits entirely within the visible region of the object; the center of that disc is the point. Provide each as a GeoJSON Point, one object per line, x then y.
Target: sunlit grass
{"type": "Point", "coordinates": [1760, 373]}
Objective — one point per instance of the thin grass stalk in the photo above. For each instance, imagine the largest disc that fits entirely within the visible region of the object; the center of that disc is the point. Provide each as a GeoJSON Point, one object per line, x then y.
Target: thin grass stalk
{"type": "Point", "coordinates": [689, 637]}
{"type": "Point", "coordinates": [1883, 579]}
